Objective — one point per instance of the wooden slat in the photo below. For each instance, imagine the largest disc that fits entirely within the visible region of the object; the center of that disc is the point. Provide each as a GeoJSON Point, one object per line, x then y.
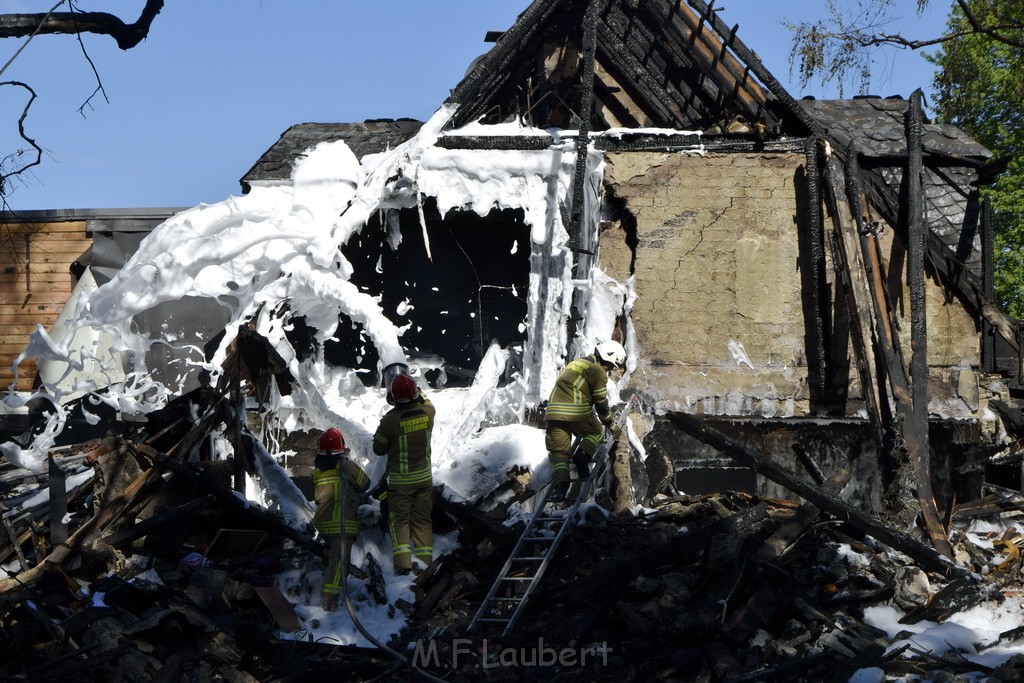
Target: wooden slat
{"type": "Point", "coordinates": [22, 299]}
{"type": "Point", "coordinates": [33, 276]}
{"type": "Point", "coordinates": [14, 340]}
{"type": "Point", "coordinates": [44, 239]}
{"type": "Point", "coordinates": [32, 313]}
{"type": "Point", "coordinates": [15, 266]}
{"type": "Point", "coordinates": [22, 288]}
{"type": "Point", "coordinates": [27, 327]}
{"type": "Point", "coordinates": [27, 373]}
{"type": "Point", "coordinates": [63, 259]}
{"type": "Point", "coordinates": [279, 608]}
{"type": "Point", "coordinates": [16, 228]}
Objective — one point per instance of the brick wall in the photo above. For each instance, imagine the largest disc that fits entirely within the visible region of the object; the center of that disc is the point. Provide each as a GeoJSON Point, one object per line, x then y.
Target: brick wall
{"type": "Point", "coordinates": [717, 271]}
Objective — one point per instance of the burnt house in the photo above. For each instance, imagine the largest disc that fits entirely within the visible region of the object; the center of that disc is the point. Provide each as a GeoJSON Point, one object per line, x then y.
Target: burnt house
{"type": "Point", "coordinates": [809, 276]}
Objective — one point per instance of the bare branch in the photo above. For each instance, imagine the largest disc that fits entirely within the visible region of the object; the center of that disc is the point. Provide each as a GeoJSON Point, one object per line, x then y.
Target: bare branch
{"type": "Point", "coordinates": [834, 48]}
{"type": "Point", "coordinates": [99, 82]}
{"type": "Point", "coordinates": [24, 136]}
{"type": "Point", "coordinates": [126, 35]}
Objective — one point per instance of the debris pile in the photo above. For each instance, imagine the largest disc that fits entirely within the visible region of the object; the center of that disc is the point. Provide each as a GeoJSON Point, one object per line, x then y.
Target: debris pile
{"type": "Point", "coordinates": [152, 567]}
{"type": "Point", "coordinates": [732, 587]}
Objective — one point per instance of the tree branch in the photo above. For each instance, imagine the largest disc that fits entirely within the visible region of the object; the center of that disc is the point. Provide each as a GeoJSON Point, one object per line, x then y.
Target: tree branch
{"type": "Point", "coordinates": [99, 83]}
{"type": "Point", "coordinates": [126, 35]}
{"type": "Point", "coordinates": [994, 32]}
{"type": "Point", "coordinates": [21, 131]}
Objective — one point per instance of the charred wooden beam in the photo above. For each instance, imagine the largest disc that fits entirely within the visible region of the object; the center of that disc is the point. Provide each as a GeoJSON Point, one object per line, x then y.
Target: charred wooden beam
{"type": "Point", "coordinates": [912, 419]}
{"type": "Point", "coordinates": [988, 288]}
{"type": "Point", "coordinates": [917, 420]}
{"type": "Point", "coordinates": [915, 266]}
{"type": "Point", "coordinates": [161, 518]}
{"type": "Point", "coordinates": [923, 554]}
{"type": "Point", "coordinates": [810, 465]}
{"type": "Point", "coordinates": [812, 232]}
{"type": "Point", "coordinates": [647, 88]}
{"type": "Point", "coordinates": [648, 46]}
{"type": "Point", "coordinates": [1011, 414]}
{"type": "Point", "coordinates": [58, 501]}
{"type": "Point", "coordinates": [477, 89]}
{"type": "Point", "coordinates": [849, 264]}
{"type": "Point", "coordinates": [960, 594]}
{"type": "Point", "coordinates": [510, 142]}
{"type": "Point", "coordinates": [727, 73]}
{"type": "Point", "coordinates": [579, 239]}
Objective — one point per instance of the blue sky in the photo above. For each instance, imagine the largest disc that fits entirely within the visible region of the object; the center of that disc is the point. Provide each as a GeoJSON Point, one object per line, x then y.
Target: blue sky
{"type": "Point", "coordinates": [217, 82]}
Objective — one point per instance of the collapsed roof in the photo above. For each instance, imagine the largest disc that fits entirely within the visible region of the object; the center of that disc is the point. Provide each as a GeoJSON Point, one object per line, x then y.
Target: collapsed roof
{"type": "Point", "coordinates": [676, 65]}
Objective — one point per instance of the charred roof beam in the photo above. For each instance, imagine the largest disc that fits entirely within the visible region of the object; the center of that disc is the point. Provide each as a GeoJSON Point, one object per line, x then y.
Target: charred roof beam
{"type": "Point", "coordinates": [661, 57]}
{"type": "Point", "coordinates": [758, 69]}
{"type": "Point", "coordinates": [732, 78]}
{"type": "Point", "coordinates": [628, 68]}
{"type": "Point", "coordinates": [477, 90]}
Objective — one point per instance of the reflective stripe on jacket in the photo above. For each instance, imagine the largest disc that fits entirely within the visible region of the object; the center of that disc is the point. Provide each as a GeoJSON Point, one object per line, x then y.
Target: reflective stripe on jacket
{"type": "Point", "coordinates": [404, 436]}
{"type": "Point", "coordinates": [580, 387]}
{"type": "Point", "coordinates": [335, 490]}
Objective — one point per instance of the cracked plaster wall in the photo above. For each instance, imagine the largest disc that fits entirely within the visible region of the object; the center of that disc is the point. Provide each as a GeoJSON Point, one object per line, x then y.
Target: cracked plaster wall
{"type": "Point", "coordinates": [716, 264]}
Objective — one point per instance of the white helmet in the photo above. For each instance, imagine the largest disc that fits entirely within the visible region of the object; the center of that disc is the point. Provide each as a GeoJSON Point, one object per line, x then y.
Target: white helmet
{"type": "Point", "coordinates": [611, 352]}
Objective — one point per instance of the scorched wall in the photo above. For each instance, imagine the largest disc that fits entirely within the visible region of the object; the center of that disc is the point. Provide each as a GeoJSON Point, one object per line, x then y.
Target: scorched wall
{"type": "Point", "coordinates": [714, 245]}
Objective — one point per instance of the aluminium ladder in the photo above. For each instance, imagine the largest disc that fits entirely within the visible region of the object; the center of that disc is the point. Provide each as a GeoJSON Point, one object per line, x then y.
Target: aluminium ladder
{"type": "Point", "coordinates": [536, 547]}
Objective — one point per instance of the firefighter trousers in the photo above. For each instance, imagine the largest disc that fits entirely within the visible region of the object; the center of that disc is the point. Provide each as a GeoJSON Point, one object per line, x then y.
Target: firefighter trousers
{"type": "Point", "coordinates": [411, 531]}
{"type": "Point", "coordinates": [338, 555]}
{"type": "Point", "coordinates": [558, 440]}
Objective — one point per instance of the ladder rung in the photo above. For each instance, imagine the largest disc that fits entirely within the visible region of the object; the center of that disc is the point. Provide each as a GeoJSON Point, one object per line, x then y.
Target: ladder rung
{"type": "Point", "coordinates": [539, 538]}
{"type": "Point", "coordinates": [494, 619]}
{"type": "Point", "coordinates": [517, 578]}
{"type": "Point", "coordinates": [528, 557]}
{"type": "Point", "coordinates": [506, 599]}
{"type": "Point", "coordinates": [550, 519]}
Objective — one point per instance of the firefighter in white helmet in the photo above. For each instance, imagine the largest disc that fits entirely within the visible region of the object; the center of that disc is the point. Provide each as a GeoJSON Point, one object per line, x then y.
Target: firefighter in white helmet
{"type": "Point", "coordinates": [578, 406]}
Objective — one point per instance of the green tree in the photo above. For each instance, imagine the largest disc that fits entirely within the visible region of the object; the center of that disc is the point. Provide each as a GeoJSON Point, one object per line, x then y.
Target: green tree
{"type": "Point", "coordinates": [979, 84]}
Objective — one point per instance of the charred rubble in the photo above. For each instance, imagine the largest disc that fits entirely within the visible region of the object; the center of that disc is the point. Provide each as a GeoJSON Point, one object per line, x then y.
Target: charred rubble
{"type": "Point", "coordinates": [155, 568]}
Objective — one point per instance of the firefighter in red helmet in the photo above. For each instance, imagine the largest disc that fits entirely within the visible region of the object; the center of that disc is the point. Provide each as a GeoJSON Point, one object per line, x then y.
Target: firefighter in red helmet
{"type": "Point", "coordinates": [404, 437]}
{"type": "Point", "coordinates": [338, 488]}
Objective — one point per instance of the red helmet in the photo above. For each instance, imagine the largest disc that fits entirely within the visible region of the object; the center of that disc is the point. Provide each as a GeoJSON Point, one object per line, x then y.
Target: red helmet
{"type": "Point", "coordinates": [404, 389]}
{"type": "Point", "coordinates": [332, 442]}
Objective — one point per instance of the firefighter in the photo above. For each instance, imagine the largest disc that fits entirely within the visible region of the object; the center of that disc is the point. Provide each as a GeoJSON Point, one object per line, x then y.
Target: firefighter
{"type": "Point", "coordinates": [404, 437]}
{"type": "Point", "coordinates": [338, 488]}
{"type": "Point", "coordinates": [580, 390]}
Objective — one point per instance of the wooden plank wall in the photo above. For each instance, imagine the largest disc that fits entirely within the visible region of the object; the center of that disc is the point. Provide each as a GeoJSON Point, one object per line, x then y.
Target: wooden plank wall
{"type": "Point", "coordinates": [35, 283]}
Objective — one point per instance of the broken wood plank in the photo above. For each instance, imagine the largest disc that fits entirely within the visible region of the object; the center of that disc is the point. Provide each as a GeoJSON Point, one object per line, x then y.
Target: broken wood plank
{"type": "Point", "coordinates": [228, 497]}
{"type": "Point", "coordinates": [958, 595]}
{"type": "Point", "coordinates": [279, 607]}
{"type": "Point", "coordinates": [58, 501]}
{"type": "Point", "coordinates": [924, 555]}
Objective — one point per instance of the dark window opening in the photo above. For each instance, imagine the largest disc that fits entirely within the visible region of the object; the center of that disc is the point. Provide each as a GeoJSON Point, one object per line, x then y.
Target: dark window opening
{"type": "Point", "coordinates": [472, 293]}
